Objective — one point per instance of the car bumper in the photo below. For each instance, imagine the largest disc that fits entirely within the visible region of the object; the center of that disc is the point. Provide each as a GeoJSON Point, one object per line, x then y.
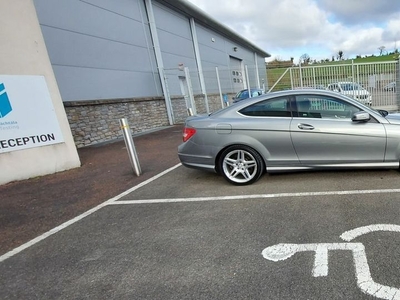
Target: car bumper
{"type": "Point", "coordinates": [192, 155]}
{"type": "Point", "coordinates": [197, 162]}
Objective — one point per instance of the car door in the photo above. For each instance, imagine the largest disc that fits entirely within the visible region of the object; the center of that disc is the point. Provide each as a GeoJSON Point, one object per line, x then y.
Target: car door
{"type": "Point", "coordinates": [323, 132]}
{"type": "Point", "coordinates": [267, 123]}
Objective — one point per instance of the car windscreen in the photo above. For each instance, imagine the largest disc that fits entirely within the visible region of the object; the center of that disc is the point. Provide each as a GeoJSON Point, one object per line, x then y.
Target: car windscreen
{"type": "Point", "coordinates": [351, 87]}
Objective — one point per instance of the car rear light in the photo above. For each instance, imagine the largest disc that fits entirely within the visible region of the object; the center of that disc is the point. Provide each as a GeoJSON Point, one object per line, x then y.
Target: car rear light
{"type": "Point", "coordinates": [188, 133]}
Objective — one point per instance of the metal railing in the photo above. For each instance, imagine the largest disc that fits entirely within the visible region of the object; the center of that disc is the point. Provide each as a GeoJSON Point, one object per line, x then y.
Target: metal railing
{"type": "Point", "coordinates": [377, 80]}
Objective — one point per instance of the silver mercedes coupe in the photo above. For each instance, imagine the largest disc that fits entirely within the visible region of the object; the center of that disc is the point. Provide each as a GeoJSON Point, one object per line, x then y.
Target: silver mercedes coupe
{"type": "Point", "coordinates": [290, 130]}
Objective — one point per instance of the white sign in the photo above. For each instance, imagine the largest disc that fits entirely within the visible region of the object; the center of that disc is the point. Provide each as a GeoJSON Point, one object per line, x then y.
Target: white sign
{"type": "Point", "coordinates": [27, 116]}
{"type": "Point", "coordinates": [364, 280]}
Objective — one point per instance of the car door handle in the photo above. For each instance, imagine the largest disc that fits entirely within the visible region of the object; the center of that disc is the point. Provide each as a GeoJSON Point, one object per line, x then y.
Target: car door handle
{"type": "Point", "coordinates": [305, 126]}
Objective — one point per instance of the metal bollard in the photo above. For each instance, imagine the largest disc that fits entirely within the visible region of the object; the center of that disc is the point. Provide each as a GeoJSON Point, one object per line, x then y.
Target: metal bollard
{"type": "Point", "coordinates": [130, 146]}
{"type": "Point", "coordinates": [190, 111]}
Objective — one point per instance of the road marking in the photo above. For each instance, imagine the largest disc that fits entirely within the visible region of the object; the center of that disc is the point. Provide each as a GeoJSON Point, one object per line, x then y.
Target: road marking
{"type": "Point", "coordinates": [80, 217]}
{"type": "Point", "coordinates": [365, 282]}
{"type": "Point", "coordinates": [260, 196]}
{"type": "Point", "coordinates": [114, 201]}
{"type": "Point", "coordinates": [352, 234]}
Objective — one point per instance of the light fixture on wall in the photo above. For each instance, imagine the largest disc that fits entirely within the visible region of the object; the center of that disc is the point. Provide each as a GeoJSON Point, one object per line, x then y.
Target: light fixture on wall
{"type": "Point", "coordinates": [235, 49]}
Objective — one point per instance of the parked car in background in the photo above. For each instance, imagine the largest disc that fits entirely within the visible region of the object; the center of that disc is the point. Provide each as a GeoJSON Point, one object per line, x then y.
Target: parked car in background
{"type": "Point", "coordinates": [353, 90]}
{"type": "Point", "coordinates": [319, 87]}
{"type": "Point", "coordinates": [390, 87]}
{"type": "Point", "coordinates": [244, 94]}
{"type": "Point", "coordinates": [290, 130]}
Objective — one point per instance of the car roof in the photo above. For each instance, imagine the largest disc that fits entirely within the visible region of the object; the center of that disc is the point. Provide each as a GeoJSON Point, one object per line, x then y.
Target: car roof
{"type": "Point", "coordinates": [347, 82]}
{"type": "Point", "coordinates": [295, 92]}
{"type": "Point", "coordinates": [307, 92]}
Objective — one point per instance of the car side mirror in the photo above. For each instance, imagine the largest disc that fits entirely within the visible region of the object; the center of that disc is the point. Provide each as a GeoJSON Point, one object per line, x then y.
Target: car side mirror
{"type": "Point", "coordinates": [361, 116]}
{"type": "Point", "coordinates": [383, 112]}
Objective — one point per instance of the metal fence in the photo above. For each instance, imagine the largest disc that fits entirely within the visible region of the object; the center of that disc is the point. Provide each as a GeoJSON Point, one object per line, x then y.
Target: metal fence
{"type": "Point", "coordinates": [379, 80]}
{"type": "Point", "coordinates": [208, 90]}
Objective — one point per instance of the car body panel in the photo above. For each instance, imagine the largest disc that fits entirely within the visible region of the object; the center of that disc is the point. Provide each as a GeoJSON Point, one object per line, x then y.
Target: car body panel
{"type": "Point", "coordinates": [341, 140]}
{"type": "Point", "coordinates": [393, 118]}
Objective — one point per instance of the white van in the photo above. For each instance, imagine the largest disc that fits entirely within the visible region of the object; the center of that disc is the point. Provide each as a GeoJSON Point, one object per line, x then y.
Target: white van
{"type": "Point", "coordinates": [353, 90]}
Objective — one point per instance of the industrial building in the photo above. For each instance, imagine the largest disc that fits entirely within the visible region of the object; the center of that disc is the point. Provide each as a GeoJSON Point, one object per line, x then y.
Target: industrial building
{"type": "Point", "coordinates": [146, 60]}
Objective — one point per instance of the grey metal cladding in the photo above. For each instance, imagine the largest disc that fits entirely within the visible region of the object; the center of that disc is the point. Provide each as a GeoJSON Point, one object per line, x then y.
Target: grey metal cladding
{"type": "Point", "coordinates": [87, 84]}
{"type": "Point", "coordinates": [103, 49]}
{"type": "Point", "coordinates": [126, 8]}
{"type": "Point", "coordinates": [94, 52]}
{"type": "Point", "coordinates": [171, 21]}
{"type": "Point", "coordinates": [86, 19]}
{"type": "Point", "coordinates": [104, 45]}
{"type": "Point", "coordinates": [192, 10]}
{"type": "Point", "coordinates": [175, 38]}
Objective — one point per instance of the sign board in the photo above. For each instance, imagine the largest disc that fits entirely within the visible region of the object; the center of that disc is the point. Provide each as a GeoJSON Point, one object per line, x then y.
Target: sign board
{"type": "Point", "coordinates": [27, 116]}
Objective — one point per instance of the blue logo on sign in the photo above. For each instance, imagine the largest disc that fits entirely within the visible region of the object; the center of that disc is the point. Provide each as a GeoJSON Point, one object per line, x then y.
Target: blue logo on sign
{"type": "Point", "coordinates": [5, 105]}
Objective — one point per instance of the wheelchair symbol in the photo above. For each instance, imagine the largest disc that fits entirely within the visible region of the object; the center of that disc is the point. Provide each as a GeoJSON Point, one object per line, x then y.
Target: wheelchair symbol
{"type": "Point", "coordinates": [364, 280]}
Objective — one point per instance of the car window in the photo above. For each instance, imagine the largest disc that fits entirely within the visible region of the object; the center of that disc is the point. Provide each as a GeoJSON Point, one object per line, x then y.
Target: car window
{"type": "Point", "coordinates": [347, 86]}
{"type": "Point", "coordinates": [323, 107]}
{"type": "Point", "coordinates": [244, 94]}
{"type": "Point", "coordinates": [276, 107]}
{"type": "Point", "coordinates": [351, 86]}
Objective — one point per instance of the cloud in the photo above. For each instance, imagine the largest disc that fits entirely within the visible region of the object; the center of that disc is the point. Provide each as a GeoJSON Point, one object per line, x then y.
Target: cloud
{"type": "Point", "coordinates": [392, 31]}
{"type": "Point", "coordinates": [353, 12]}
{"type": "Point", "coordinates": [320, 28]}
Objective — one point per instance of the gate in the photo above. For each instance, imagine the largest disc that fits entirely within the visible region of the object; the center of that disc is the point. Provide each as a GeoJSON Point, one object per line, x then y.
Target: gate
{"type": "Point", "coordinates": [377, 80]}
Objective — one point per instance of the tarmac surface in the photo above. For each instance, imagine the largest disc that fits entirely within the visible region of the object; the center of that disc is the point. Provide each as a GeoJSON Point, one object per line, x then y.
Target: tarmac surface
{"type": "Point", "coordinates": [31, 207]}
{"type": "Point", "coordinates": [101, 232]}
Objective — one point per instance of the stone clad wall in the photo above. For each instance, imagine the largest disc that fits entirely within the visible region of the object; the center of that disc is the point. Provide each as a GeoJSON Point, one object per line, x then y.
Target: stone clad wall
{"type": "Point", "coordinates": [96, 121]}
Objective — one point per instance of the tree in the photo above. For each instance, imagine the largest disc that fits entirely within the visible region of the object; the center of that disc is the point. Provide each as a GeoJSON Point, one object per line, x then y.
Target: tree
{"type": "Point", "coordinates": [305, 59]}
{"type": "Point", "coordinates": [381, 49]}
{"type": "Point", "coordinates": [340, 55]}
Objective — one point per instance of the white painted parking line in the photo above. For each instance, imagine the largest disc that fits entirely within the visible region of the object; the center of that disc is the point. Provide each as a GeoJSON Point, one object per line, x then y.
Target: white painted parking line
{"type": "Point", "coordinates": [114, 201]}
{"type": "Point", "coordinates": [80, 217]}
{"type": "Point", "coordinates": [259, 196]}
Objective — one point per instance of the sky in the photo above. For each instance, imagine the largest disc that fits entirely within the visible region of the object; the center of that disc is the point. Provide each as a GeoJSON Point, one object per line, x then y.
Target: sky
{"type": "Point", "coordinates": [317, 28]}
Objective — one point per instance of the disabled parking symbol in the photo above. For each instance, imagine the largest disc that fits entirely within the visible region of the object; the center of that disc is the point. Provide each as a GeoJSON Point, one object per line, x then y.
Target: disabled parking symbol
{"type": "Point", "coordinates": [364, 280]}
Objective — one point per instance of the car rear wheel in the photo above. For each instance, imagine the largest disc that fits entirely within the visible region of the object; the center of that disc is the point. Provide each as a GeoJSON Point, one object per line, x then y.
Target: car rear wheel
{"type": "Point", "coordinates": [241, 165]}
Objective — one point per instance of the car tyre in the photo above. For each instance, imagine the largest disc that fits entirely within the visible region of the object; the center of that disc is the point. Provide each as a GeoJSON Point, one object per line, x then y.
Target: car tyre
{"type": "Point", "coordinates": [241, 165]}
